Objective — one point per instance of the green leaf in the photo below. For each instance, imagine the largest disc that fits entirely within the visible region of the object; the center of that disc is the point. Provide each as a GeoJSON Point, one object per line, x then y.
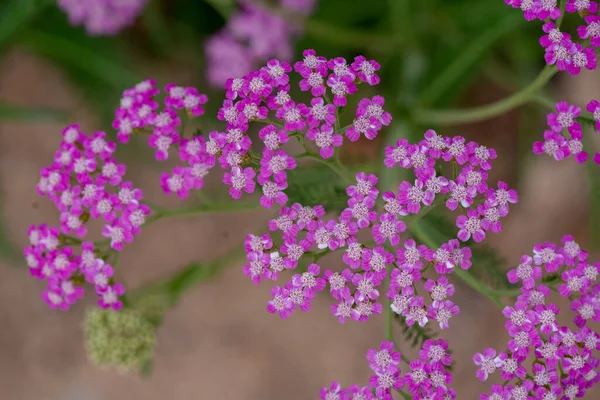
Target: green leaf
{"type": "Point", "coordinates": [415, 334]}
{"type": "Point", "coordinates": [470, 55]}
{"type": "Point", "coordinates": [316, 184]}
{"type": "Point", "coordinates": [29, 114]}
{"type": "Point", "coordinates": [73, 54]}
{"type": "Point", "coordinates": [15, 14]}
{"type": "Point", "coordinates": [224, 7]}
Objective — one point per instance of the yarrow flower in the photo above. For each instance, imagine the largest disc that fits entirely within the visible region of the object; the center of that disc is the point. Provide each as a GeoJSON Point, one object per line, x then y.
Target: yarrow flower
{"type": "Point", "coordinates": [561, 366]}
{"type": "Point", "coordinates": [559, 146]}
{"type": "Point", "coordinates": [426, 377]}
{"type": "Point", "coordinates": [84, 182]}
{"type": "Point", "coordinates": [237, 49]}
{"type": "Point", "coordinates": [102, 17]}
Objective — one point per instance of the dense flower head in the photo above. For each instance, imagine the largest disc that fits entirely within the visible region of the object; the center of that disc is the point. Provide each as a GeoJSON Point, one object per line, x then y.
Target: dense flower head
{"type": "Point", "coordinates": [264, 97]}
{"type": "Point", "coordinates": [242, 44]}
{"type": "Point", "coordinates": [560, 49]}
{"type": "Point", "coordinates": [423, 378]}
{"type": "Point", "coordinates": [102, 17]}
{"type": "Point", "coordinates": [140, 114]}
{"type": "Point", "coordinates": [564, 364]}
{"type": "Point", "coordinates": [565, 135]}
{"type": "Point", "coordinates": [392, 263]}
{"type": "Point", "coordinates": [85, 183]}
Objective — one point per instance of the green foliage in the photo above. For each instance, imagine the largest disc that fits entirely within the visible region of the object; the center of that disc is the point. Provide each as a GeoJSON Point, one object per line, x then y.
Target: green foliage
{"type": "Point", "coordinates": [317, 184]}
{"type": "Point", "coordinates": [415, 334]}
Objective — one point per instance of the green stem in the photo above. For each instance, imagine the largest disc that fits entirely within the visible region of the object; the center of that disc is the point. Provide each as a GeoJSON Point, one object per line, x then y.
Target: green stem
{"type": "Point", "coordinates": [481, 113]}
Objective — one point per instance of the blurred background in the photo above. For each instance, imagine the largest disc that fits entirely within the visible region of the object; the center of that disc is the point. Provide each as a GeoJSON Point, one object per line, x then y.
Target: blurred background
{"type": "Point", "coordinates": [219, 341]}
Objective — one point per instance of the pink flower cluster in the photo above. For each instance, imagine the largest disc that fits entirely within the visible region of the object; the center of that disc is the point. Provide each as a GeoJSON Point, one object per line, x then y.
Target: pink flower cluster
{"type": "Point", "coordinates": [565, 118]}
{"type": "Point", "coordinates": [263, 96]}
{"type": "Point", "coordinates": [242, 44]}
{"type": "Point", "coordinates": [139, 113]}
{"type": "Point", "coordinates": [102, 17]}
{"type": "Point", "coordinates": [428, 378]}
{"type": "Point", "coordinates": [560, 49]}
{"type": "Point", "coordinates": [84, 182]}
{"type": "Point", "coordinates": [356, 289]}
{"type": "Point", "coordinates": [564, 363]}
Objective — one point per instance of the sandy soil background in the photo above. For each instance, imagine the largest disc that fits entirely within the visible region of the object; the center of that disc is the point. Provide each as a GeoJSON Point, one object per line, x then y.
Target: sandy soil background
{"type": "Point", "coordinates": [220, 342]}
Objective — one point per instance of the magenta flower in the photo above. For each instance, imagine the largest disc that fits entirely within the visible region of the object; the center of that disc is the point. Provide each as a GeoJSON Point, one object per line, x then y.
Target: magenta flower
{"type": "Point", "coordinates": [365, 186]}
{"type": "Point", "coordinates": [487, 362]}
{"type": "Point", "coordinates": [273, 138]}
{"type": "Point", "coordinates": [586, 308]}
{"type": "Point", "coordinates": [380, 360]}
{"type": "Point", "coordinates": [363, 310]}
{"type": "Point", "coordinates": [417, 379]}
{"type": "Point", "coordinates": [560, 54]}
{"type": "Point", "coordinates": [470, 225]}
{"type": "Point", "coordinates": [525, 272]}
{"type": "Point", "coordinates": [272, 192]}
{"type": "Point", "coordinates": [118, 233]}
{"type": "Point", "coordinates": [491, 216]}
{"type": "Point", "coordinates": [389, 228]}
{"type": "Point", "coordinates": [519, 317]}
{"type": "Point", "coordinates": [502, 196]}
{"type": "Point", "coordinates": [366, 286]}
{"type": "Point", "coordinates": [109, 297]}
{"type": "Point", "coordinates": [361, 210]}
{"type": "Point", "coordinates": [582, 58]}
{"type": "Point", "coordinates": [320, 234]}
{"type": "Point", "coordinates": [274, 163]}
{"type": "Point", "coordinates": [498, 393]}
{"type": "Point", "coordinates": [553, 35]}
{"type": "Point", "coordinates": [547, 9]}
{"type": "Point", "coordinates": [240, 180]}
{"type": "Point", "coordinates": [341, 86]}
{"type": "Point", "coordinates": [334, 392]}
{"type": "Point", "coordinates": [294, 251]}
{"type": "Point", "coordinates": [591, 31]}
{"type": "Point", "coordinates": [373, 108]}
{"type": "Point", "coordinates": [362, 126]}
{"type": "Point", "coordinates": [581, 5]}
{"type": "Point", "coordinates": [460, 194]}
{"type": "Point", "coordinates": [456, 150]}
{"type": "Point", "coordinates": [179, 182]}
{"type": "Point", "coordinates": [376, 260]}
{"type": "Point", "coordinates": [546, 254]}
{"type": "Point", "coordinates": [366, 70]}
{"type": "Point", "coordinates": [436, 143]}
{"type": "Point", "coordinates": [100, 18]}
{"type": "Point", "coordinates": [277, 72]}
{"type": "Point", "coordinates": [554, 145]}
{"type": "Point", "coordinates": [319, 112]}
{"type": "Point", "coordinates": [442, 311]}
{"type": "Point", "coordinates": [281, 303]}
{"type": "Point", "coordinates": [311, 62]}
{"type": "Point", "coordinates": [310, 279]}
{"type": "Point", "coordinates": [564, 118]}
{"type": "Point", "coordinates": [412, 196]}
{"type": "Point", "coordinates": [440, 290]}
{"type": "Point", "coordinates": [292, 117]}
{"type": "Point", "coordinates": [511, 366]}
{"type": "Point", "coordinates": [383, 382]}
{"type": "Point", "coordinates": [402, 280]}
{"type": "Point", "coordinates": [326, 140]}
{"type": "Point", "coordinates": [409, 257]}
{"type": "Point", "coordinates": [435, 351]}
